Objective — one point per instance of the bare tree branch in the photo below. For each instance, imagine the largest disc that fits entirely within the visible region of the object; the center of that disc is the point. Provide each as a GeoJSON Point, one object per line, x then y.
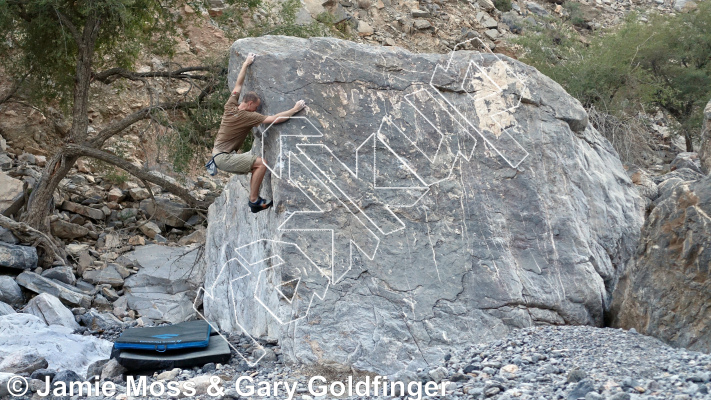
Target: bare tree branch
{"type": "Point", "coordinates": [116, 127]}
{"type": "Point", "coordinates": [72, 29]}
{"type": "Point", "coordinates": [30, 234]}
{"type": "Point", "coordinates": [15, 87]}
{"type": "Point", "coordinates": [144, 113]}
{"type": "Point", "coordinates": [113, 74]}
{"type": "Point", "coordinates": [79, 150]}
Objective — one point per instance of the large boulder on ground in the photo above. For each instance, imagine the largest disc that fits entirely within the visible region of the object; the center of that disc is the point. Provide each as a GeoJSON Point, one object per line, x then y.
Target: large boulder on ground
{"type": "Point", "coordinates": [11, 190]}
{"type": "Point", "coordinates": [56, 344]}
{"type": "Point", "coordinates": [51, 311]}
{"type": "Point", "coordinates": [22, 362]}
{"type": "Point", "coordinates": [67, 230]}
{"type": "Point", "coordinates": [412, 217]}
{"type": "Point", "coordinates": [67, 293]}
{"type": "Point", "coordinates": [16, 256]}
{"type": "Point", "coordinates": [167, 282]}
{"type": "Point", "coordinates": [6, 309]}
{"type": "Point", "coordinates": [97, 321]}
{"type": "Point", "coordinates": [93, 213]}
{"type": "Point", "coordinates": [8, 237]}
{"type": "Point", "coordinates": [61, 273]}
{"type": "Point", "coordinates": [106, 275]}
{"type": "Point", "coordinates": [10, 291]}
{"type": "Point", "coordinates": [665, 292]}
{"type": "Point", "coordinates": [705, 150]}
{"type": "Point", "coordinates": [166, 211]}
{"type": "Point", "coordinates": [689, 160]}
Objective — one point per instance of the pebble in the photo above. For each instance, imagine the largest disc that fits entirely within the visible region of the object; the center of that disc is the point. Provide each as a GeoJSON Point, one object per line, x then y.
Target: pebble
{"type": "Point", "coordinates": [578, 362]}
{"type": "Point", "coordinates": [552, 362]}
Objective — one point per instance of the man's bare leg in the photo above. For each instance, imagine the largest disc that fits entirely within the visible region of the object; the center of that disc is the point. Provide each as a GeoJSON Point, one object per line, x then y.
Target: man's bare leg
{"type": "Point", "coordinates": [259, 169]}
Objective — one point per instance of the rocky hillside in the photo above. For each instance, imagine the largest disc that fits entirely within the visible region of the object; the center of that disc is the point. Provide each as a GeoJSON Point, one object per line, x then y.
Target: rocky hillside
{"type": "Point", "coordinates": [436, 26]}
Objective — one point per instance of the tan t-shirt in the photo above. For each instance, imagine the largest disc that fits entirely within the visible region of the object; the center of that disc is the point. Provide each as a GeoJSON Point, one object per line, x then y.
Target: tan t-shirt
{"type": "Point", "coordinates": [235, 126]}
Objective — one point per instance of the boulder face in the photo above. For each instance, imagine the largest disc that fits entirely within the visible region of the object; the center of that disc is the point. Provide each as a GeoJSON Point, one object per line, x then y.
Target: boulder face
{"type": "Point", "coordinates": [165, 287]}
{"type": "Point", "coordinates": [16, 256]}
{"type": "Point", "coordinates": [422, 201]}
{"type": "Point", "coordinates": [665, 291]}
{"type": "Point", "coordinates": [63, 350]}
{"type": "Point", "coordinates": [705, 150]}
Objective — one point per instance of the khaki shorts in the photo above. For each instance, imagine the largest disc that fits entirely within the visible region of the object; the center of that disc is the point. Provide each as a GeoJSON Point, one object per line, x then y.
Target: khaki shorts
{"type": "Point", "coordinates": [235, 163]}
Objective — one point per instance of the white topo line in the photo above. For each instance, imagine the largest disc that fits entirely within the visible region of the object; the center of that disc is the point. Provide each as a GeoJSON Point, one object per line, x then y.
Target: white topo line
{"type": "Point", "coordinates": [319, 172]}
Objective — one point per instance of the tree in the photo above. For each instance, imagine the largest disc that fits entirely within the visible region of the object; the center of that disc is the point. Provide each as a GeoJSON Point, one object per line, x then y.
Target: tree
{"type": "Point", "coordinates": [62, 43]}
{"type": "Point", "coordinates": [665, 62]}
{"type": "Point", "coordinates": [679, 67]}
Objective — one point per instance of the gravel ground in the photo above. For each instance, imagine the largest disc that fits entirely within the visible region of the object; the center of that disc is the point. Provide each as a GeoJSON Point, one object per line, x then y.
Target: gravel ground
{"type": "Point", "coordinates": [541, 363]}
{"type": "Point", "coordinates": [572, 362]}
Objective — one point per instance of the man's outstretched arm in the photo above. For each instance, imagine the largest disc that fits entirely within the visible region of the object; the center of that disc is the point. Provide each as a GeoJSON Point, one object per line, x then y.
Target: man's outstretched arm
{"type": "Point", "coordinates": [284, 115]}
{"type": "Point", "coordinates": [243, 72]}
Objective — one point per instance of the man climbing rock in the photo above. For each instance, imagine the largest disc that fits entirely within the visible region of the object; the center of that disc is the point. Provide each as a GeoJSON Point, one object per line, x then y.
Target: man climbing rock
{"type": "Point", "coordinates": [237, 121]}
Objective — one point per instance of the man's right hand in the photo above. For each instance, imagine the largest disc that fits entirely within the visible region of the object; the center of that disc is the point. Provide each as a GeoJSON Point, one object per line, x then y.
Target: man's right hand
{"type": "Point", "coordinates": [299, 105]}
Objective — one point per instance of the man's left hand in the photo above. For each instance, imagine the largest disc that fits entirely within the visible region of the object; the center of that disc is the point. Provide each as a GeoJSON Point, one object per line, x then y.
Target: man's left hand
{"type": "Point", "coordinates": [250, 59]}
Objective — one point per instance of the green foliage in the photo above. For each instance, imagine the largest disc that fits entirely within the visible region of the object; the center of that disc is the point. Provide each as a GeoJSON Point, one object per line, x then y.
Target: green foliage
{"type": "Point", "coordinates": [230, 15]}
{"type": "Point", "coordinates": [575, 14]}
{"type": "Point", "coordinates": [116, 176]}
{"type": "Point", "coordinates": [337, 28]}
{"type": "Point", "coordinates": [665, 63]}
{"type": "Point", "coordinates": [110, 172]}
{"type": "Point", "coordinates": [503, 5]}
{"type": "Point", "coordinates": [34, 37]}
{"type": "Point", "coordinates": [288, 26]}
{"type": "Point", "coordinates": [189, 138]}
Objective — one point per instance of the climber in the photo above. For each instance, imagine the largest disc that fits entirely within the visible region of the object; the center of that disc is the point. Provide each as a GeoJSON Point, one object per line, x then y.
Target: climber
{"type": "Point", "coordinates": [237, 121]}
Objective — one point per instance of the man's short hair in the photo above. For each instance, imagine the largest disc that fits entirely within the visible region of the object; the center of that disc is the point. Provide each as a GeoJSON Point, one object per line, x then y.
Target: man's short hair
{"type": "Point", "coordinates": [250, 96]}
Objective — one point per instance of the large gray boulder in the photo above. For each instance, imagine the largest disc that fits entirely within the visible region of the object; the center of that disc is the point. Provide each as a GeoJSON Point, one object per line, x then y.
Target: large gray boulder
{"type": "Point", "coordinates": [51, 310]}
{"type": "Point", "coordinates": [86, 211]}
{"type": "Point", "coordinates": [106, 275]}
{"type": "Point", "coordinates": [166, 211]}
{"type": "Point", "coordinates": [62, 273]}
{"type": "Point", "coordinates": [6, 309]}
{"type": "Point", "coordinates": [22, 362]}
{"type": "Point", "coordinates": [16, 256]}
{"type": "Point", "coordinates": [67, 230]}
{"type": "Point", "coordinates": [67, 293]}
{"type": "Point", "coordinates": [63, 350]}
{"type": "Point", "coordinates": [665, 292]}
{"type": "Point", "coordinates": [167, 282]}
{"type": "Point", "coordinates": [11, 190]}
{"type": "Point", "coordinates": [10, 291]}
{"type": "Point", "coordinates": [412, 217]}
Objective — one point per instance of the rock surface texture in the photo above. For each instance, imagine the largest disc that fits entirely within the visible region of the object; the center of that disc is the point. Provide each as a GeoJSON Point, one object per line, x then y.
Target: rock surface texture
{"type": "Point", "coordinates": [26, 333]}
{"type": "Point", "coordinates": [16, 256]}
{"type": "Point", "coordinates": [422, 201]}
{"type": "Point", "coordinates": [167, 282]}
{"type": "Point", "coordinates": [705, 150]}
{"type": "Point", "coordinates": [665, 291]}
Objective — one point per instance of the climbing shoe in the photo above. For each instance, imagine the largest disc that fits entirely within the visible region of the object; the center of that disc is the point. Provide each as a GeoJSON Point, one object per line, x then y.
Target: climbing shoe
{"type": "Point", "coordinates": [259, 205]}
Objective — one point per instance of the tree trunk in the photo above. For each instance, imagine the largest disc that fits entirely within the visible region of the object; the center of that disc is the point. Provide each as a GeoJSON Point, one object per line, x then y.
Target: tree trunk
{"type": "Point", "coordinates": [40, 202]}
{"type": "Point", "coordinates": [687, 139]}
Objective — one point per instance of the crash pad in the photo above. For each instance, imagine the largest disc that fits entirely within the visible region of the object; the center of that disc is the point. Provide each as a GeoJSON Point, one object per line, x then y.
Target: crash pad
{"type": "Point", "coordinates": [185, 335]}
{"type": "Point", "coordinates": [218, 351]}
